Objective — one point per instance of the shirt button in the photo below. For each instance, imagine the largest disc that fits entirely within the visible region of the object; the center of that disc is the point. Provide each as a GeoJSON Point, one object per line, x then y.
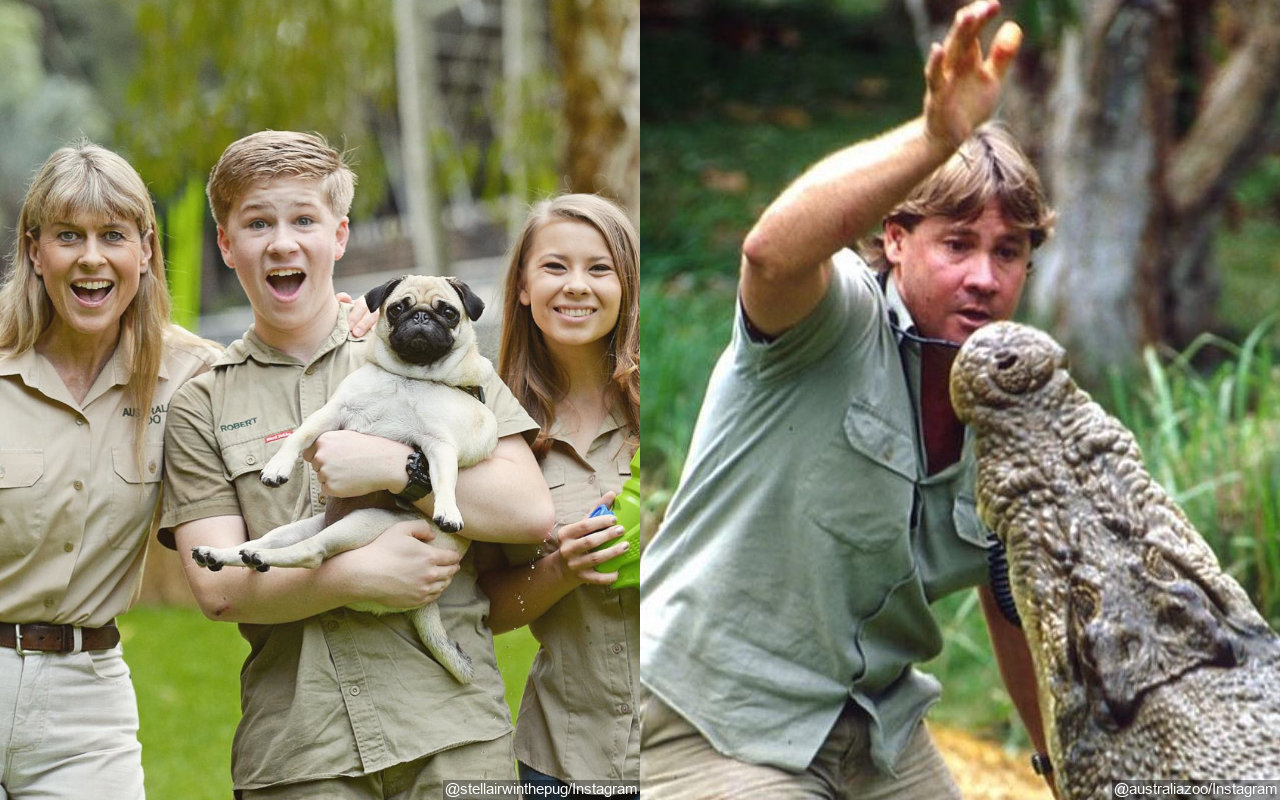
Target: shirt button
{"type": "Point", "coordinates": [79, 420]}
{"type": "Point", "coordinates": [323, 499]}
{"type": "Point", "coordinates": [617, 648]}
{"type": "Point", "coordinates": [624, 708]}
{"type": "Point", "coordinates": [151, 467]}
{"type": "Point", "coordinates": [591, 479]}
{"type": "Point", "coordinates": [310, 371]}
{"type": "Point", "coordinates": [331, 625]}
{"type": "Point", "coordinates": [68, 547]}
{"type": "Point", "coordinates": [355, 690]}
{"type": "Point", "coordinates": [251, 460]}
{"type": "Point", "coordinates": [78, 485]}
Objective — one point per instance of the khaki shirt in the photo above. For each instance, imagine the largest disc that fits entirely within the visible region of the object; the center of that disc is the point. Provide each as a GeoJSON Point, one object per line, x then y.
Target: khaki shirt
{"type": "Point", "coordinates": [344, 692]}
{"type": "Point", "coordinates": [75, 507]}
{"type": "Point", "coordinates": [579, 716]}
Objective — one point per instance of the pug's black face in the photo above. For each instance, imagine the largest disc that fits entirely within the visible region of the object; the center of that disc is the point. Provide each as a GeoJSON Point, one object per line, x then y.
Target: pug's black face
{"type": "Point", "coordinates": [421, 334]}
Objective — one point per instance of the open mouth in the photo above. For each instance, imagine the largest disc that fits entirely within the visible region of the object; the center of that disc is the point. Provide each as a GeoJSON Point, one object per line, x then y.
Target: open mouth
{"type": "Point", "coordinates": [975, 317]}
{"type": "Point", "coordinates": [575, 313]}
{"type": "Point", "coordinates": [92, 292]}
{"type": "Point", "coordinates": [285, 283]}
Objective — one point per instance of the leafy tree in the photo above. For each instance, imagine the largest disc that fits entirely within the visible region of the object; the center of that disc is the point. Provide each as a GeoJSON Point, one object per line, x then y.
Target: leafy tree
{"type": "Point", "coordinates": [214, 71]}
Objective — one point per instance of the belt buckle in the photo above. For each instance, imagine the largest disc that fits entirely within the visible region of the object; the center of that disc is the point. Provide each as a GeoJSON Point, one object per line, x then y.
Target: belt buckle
{"type": "Point", "coordinates": [17, 639]}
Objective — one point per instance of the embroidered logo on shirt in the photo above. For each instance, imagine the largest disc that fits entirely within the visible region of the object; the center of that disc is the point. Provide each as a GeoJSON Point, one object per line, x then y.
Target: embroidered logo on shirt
{"type": "Point", "coordinates": [275, 437]}
{"type": "Point", "coordinates": [156, 413]}
{"type": "Point", "coordinates": [244, 423]}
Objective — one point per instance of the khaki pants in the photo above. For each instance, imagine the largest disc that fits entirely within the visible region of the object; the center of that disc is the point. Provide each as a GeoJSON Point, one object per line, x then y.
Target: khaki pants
{"type": "Point", "coordinates": [422, 779]}
{"type": "Point", "coordinates": [678, 763]}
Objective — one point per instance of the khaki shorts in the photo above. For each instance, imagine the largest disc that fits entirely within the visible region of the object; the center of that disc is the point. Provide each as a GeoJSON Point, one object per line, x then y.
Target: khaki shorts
{"type": "Point", "coordinates": [422, 779]}
{"type": "Point", "coordinates": [678, 763]}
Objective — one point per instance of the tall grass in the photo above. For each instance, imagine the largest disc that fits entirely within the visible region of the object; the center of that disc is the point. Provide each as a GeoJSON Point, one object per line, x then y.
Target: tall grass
{"type": "Point", "coordinates": [1211, 437]}
{"type": "Point", "coordinates": [685, 325]}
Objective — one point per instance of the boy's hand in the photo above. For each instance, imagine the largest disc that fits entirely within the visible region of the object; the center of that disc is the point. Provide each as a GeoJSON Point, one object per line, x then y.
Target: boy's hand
{"type": "Point", "coordinates": [361, 320]}
{"type": "Point", "coordinates": [404, 570]}
{"type": "Point", "coordinates": [962, 87]}
{"type": "Point", "coordinates": [350, 464]}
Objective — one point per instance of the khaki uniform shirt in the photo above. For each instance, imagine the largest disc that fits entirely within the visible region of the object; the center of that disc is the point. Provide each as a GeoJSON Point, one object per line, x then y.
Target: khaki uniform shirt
{"type": "Point", "coordinates": [579, 717]}
{"type": "Point", "coordinates": [75, 506]}
{"type": "Point", "coordinates": [344, 692]}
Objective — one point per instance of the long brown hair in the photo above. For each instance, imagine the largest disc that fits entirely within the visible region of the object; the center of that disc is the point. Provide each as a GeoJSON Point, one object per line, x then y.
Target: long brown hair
{"type": "Point", "coordinates": [524, 361]}
{"type": "Point", "coordinates": [86, 180]}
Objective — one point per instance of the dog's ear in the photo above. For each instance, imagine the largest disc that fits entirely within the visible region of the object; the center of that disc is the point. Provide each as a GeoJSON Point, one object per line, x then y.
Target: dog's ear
{"type": "Point", "coordinates": [376, 296]}
{"type": "Point", "coordinates": [470, 300]}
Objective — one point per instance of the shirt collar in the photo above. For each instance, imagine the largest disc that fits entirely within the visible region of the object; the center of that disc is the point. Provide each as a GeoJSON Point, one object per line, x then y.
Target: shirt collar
{"type": "Point", "coordinates": [895, 309]}
{"type": "Point", "coordinates": [250, 346]}
{"type": "Point", "coordinates": [615, 419]}
{"type": "Point", "coordinates": [36, 372]}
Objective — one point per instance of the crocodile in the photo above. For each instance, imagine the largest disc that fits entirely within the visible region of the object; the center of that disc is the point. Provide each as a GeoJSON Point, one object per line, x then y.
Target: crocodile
{"type": "Point", "coordinates": [1152, 663]}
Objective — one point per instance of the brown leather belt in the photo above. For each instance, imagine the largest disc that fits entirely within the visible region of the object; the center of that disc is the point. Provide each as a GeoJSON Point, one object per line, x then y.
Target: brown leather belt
{"type": "Point", "coordinates": [58, 638]}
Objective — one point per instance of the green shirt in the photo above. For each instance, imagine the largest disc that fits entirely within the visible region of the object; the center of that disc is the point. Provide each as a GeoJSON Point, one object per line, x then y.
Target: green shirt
{"type": "Point", "coordinates": [340, 693]}
{"type": "Point", "coordinates": [797, 560]}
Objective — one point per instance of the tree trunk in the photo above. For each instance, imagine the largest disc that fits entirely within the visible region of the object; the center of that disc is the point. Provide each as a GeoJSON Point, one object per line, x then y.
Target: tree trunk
{"type": "Point", "coordinates": [598, 44]}
{"type": "Point", "coordinates": [1138, 135]}
{"type": "Point", "coordinates": [418, 95]}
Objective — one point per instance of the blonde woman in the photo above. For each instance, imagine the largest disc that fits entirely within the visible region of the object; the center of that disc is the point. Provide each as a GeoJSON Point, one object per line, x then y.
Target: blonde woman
{"type": "Point", "coordinates": [88, 361]}
{"type": "Point", "coordinates": [570, 352]}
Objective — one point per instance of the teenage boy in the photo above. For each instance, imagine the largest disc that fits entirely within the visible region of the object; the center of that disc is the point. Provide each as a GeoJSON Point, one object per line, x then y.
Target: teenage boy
{"type": "Point", "coordinates": [336, 703]}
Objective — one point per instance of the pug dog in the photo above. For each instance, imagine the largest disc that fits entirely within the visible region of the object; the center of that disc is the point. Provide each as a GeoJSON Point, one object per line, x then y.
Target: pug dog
{"type": "Point", "coordinates": [414, 389]}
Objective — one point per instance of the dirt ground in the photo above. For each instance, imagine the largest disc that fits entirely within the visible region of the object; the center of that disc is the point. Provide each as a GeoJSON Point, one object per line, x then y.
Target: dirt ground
{"type": "Point", "coordinates": [985, 771]}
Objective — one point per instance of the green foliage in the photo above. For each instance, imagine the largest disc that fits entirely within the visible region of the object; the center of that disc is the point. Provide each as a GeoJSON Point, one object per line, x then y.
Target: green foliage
{"type": "Point", "coordinates": [1211, 438]}
{"type": "Point", "coordinates": [1043, 21]}
{"type": "Point", "coordinates": [186, 672]}
{"type": "Point", "coordinates": [684, 327]}
{"type": "Point", "coordinates": [488, 168]}
{"type": "Point", "coordinates": [214, 71]}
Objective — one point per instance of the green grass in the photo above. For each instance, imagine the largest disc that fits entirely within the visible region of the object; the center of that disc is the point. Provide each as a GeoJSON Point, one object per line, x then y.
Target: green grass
{"type": "Point", "coordinates": [186, 670]}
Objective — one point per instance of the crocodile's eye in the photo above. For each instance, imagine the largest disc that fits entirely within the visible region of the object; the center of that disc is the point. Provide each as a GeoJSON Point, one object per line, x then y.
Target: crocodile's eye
{"type": "Point", "coordinates": [1157, 566]}
{"type": "Point", "coordinates": [1005, 360]}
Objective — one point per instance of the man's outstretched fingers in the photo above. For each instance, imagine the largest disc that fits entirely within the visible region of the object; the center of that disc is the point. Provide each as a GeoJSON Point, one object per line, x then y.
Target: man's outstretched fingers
{"type": "Point", "coordinates": [1004, 48]}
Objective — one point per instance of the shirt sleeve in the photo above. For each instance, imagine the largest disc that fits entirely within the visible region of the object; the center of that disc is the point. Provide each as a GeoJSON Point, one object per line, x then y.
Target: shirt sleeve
{"type": "Point", "coordinates": [511, 416]}
{"type": "Point", "coordinates": [196, 484]}
{"type": "Point", "coordinates": [849, 311]}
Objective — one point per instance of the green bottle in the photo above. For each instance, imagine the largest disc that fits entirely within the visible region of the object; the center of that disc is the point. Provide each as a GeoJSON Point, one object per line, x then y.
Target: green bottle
{"type": "Point", "coordinates": [626, 507]}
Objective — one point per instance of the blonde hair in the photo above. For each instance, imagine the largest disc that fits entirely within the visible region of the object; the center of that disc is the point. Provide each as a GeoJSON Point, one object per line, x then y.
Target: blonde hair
{"type": "Point", "coordinates": [85, 180]}
{"type": "Point", "coordinates": [267, 155]}
{"type": "Point", "coordinates": [988, 166]}
{"type": "Point", "coordinates": [524, 361]}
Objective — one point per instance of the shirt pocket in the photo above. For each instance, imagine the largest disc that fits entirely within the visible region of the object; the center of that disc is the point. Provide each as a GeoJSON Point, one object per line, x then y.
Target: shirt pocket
{"type": "Point", "coordinates": [134, 492]}
{"type": "Point", "coordinates": [861, 487]}
{"type": "Point", "coordinates": [242, 458]}
{"type": "Point", "coordinates": [22, 501]}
